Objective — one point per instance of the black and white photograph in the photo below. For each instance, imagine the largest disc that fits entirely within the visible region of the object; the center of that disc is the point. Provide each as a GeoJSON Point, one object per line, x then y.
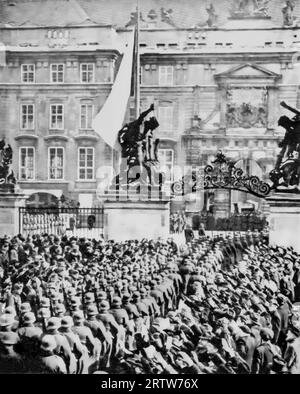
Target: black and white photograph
{"type": "Point", "coordinates": [149, 190]}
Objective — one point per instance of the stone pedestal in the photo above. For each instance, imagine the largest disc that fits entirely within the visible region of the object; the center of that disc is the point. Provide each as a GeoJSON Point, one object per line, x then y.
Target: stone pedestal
{"type": "Point", "coordinates": [136, 219]}
{"type": "Point", "coordinates": [284, 220]}
{"type": "Point", "coordinates": [9, 212]}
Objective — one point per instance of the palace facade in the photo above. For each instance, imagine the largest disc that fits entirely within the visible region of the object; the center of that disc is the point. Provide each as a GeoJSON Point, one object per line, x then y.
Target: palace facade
{"type": "Point", "coordinates": [216, 72]}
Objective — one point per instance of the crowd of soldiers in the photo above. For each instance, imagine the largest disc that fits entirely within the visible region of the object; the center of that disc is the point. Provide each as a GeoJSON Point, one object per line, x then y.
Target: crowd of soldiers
{"type": "Point", "coordinates": [78, 306]}
{"type": "Point", "coordinates": [236, 222]}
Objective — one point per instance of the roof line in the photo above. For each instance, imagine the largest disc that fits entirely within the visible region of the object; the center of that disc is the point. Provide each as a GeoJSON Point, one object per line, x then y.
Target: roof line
{"type": "Point", "coordinates": [122, 29]}
{"type": "Point", "coordinates": [18, 27]}
{"type": "Point", "coordinates": [80, 10]}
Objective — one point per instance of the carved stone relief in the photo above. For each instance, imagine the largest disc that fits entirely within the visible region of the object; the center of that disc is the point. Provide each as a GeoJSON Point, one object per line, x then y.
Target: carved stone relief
{"type": "Point", "coordinates": [246, 108]}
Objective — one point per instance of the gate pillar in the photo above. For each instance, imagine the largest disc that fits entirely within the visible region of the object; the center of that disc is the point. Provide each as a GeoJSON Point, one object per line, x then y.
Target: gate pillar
{"type": "Point", "coordinates": [9, 212]}
{"type": "Point", "coordinates": [284, 220]}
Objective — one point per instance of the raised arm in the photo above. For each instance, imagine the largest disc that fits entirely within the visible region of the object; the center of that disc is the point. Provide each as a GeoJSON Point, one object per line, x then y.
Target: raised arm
{"type": "Point", "coordinates": [145, 113]}
{"type": "Point", "coordinates": [286, 106]}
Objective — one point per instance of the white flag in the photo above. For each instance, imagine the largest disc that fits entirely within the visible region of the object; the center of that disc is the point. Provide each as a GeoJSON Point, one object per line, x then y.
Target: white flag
{"type": "Point", "coordinates": [109, 120]}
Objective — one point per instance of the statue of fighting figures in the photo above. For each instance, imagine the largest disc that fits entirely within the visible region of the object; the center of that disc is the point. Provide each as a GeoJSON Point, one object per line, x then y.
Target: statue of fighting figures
{"type": "Point", "coordinates": [246, 8]}
{"type": "Point", "coordinates": [286, 173]}
{"type": "Point", "coordinates": [7, 178]}
{"type": "Point", "coordinates": [212, 16]}
{"type": "Point", "coordinates": [139, 149]}
{"type": "Point", "coordinates": [288, 13]}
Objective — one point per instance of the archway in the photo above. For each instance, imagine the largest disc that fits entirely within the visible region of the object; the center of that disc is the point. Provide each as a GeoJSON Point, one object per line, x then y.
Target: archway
{"type": "Point", "coordinates": [221, 179]}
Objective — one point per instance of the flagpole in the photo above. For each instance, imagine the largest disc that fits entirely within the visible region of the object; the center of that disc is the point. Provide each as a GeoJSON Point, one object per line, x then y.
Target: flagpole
{"type": "Point", "coordinates": [137, 87]}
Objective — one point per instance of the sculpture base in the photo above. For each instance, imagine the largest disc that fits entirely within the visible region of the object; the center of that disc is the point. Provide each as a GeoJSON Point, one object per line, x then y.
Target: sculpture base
{"type": "Point", "coordinates": [284, 220]}
{"type": "Point", "coordinates": [9, 212]}
{"type": "Point", "coordinates": [136, 219]}
{"type": "Point", "coordinates": [7, 188]}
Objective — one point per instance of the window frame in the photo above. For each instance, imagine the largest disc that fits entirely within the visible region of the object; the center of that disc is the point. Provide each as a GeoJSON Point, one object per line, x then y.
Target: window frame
{"type": "Point", "coordinates": [24, 72]}
{"type": "Point", "coordinates": [161, 123]}
{"type": "Point", "coordinates": [81, 72]}
{"type": "Point", "coordinates": [57, 73]}
{"type": "Point", "coordinates": [86, 120]}
{"type": "Point", "coordinates": [165, 164]}
{"type": "Point", "coordinates": [50, 117]}
{"type": "Point", "coordinates": [63, 166]}
{"type": "Point", "coordinates": [85, 167]}
{"type": "Point", "coordinates": [24, 167]}
{"type": "Point", "coordinates": [163, 76]}
{"type": "Point", "coordinates": [21, 116]}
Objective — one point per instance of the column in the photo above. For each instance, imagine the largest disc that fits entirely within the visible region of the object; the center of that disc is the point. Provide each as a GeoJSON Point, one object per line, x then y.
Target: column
{"type": "Point", "coordinates": [223, 106]}
{"type": "Point", "coordinates": [271, 108]}
{"type": "Point", "coordinates": [298, 98]}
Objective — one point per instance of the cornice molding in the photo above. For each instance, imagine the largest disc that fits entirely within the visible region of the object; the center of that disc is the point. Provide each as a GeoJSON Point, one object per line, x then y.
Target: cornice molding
{"type": "Point", "coordinates": [60, 137]}
{"type": "Point", "coordinates": [26, 136]}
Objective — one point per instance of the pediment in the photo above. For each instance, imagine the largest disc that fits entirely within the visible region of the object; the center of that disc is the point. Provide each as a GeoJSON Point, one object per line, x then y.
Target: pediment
{"type": "Point", "coordinates": [248, 71]}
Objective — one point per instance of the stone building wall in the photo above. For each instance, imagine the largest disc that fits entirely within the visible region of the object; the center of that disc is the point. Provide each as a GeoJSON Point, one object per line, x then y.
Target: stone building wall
{"type": "Point", "coordinates": [213, 54]}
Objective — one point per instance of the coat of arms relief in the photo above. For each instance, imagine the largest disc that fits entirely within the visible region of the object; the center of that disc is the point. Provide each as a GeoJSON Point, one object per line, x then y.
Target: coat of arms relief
{"type": "Point", "coordinates": [246, 108]}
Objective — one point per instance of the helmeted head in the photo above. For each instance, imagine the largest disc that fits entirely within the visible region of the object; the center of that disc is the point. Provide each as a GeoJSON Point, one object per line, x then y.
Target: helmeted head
{"type": "Point", "coordinates": [29, 318]}
{"type": "Point", "coordinates": [53, 323]}
{"type": "Point", "coordinates": [44, 313]}
{"type": "Point", "coordinates": [78, 317]}
{"type": "Point", "coordinates": [104, 306]}
{"type": "Point", "coordinates": [6, 320]}
{"type": "Point", "coordinates": [102, 295]}
{"type": "Point", "coordinates": [126, 297]}
{"type": "Point", "coordinates": [60, 310]}
{"type": "Point", "coordinates": [10, 310]}
{"type": "Point", "coordinates": [9, 338]}
{"type": "Point", "coordinates": [266, 334]}
{"type": "Point", "coordinates": [92, 310]}
{"type": "Point", "coordinates": [89, 298]}
{"type": "Point", "coordinates": [67, 322]}
{"type": "Point", "coordinates": [136, 296]}
{"type": "Point", "coordinates": [116, 302]}
{"type": "Point", "coordinates": [48, 343]}
{"type": "Point", "coordinates": [75, 302]}
{"type": "Point", "coordinates": [25, 307]}
{"type": "Point", "coordinates": [45, 303]}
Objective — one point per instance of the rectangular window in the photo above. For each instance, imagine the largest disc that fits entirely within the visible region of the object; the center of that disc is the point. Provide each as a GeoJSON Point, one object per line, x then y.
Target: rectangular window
{"type": "Point", "coordinates": [57, 116]}
{"type": "Point", "coordinates": [166, 75]}
{"type": "Point", "coordinates": [86, 164]}
{"type": "Point", "coordinates": [27, 116]}
{"type": "Point", "coordinates": [86, 116]}
{"type": "Point", "coordinates": [28, 73]}
{"type": "Point", "coordinates": [165, 118]}
{"type": "Point", "coordinates": [56, 163]}
{"type": "Point", "coordinates": [166, 162]}
{"type": "Point", "coordinates": [57, 73]}
{"type": "Point", "coordinates": [87, 72]}
{"type": "Point", "coordinates": [26, 163]}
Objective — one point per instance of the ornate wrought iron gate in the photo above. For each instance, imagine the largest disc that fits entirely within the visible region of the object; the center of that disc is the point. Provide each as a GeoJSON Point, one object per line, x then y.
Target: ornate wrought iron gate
{"type": "Point", "coordinates": [222, 173]}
